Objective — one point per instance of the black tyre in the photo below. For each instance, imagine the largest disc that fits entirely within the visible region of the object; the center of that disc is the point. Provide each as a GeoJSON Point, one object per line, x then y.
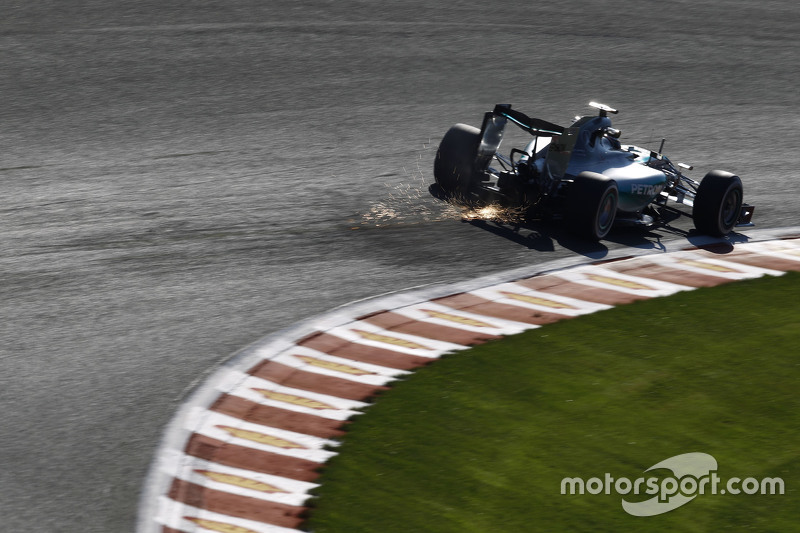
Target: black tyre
{"type": "Point", "coordinates": [453, 168]}
{"type": "Point", "coordinates": [592, 205]}
{"type": "Point", "coordinates": [718, 203]}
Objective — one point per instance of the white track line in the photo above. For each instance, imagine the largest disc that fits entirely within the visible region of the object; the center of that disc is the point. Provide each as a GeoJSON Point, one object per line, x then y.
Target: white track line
{"type": "Point", "coordinates": [441, 315]}
{"type": "Point", "coordinates": [362, 332]}
{"type": "Point", "coordinates": [176, 517]}
{"type": "Point", "coordinates": [238, 481]}
{"type": "Point", "coordinates": [517, 295]}
{"type": "Point", "coordinates": [709, 266]}
{"type": "Point", "coordinates": [260, 437]}
{"type": "Point", "coordinates": [269, 393]}
{"type": "Point", "coordinates": [604, 278]}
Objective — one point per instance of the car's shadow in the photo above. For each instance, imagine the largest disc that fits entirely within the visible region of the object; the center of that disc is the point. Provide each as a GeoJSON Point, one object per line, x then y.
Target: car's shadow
{"type": "Point", "coordinates": [547, 235]}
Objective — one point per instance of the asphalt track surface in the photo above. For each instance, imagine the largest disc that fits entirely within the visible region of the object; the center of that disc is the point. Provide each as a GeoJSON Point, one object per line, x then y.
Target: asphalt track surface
{"type": "Point", "coordinates": [181, 179]}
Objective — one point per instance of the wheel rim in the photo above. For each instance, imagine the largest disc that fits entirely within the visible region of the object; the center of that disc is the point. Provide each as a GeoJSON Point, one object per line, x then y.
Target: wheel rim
{"type": "Point", "coordinates": [729, 211]}
{"type": "Point", "coordinates": [605, 215]}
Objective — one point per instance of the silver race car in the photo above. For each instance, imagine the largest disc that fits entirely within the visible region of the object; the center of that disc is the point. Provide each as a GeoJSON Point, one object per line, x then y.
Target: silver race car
{"type": "Point", "coordinates": [581, 174]}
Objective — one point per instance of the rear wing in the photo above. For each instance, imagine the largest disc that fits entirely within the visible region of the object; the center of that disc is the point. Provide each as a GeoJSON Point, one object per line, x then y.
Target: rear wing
{"type": "Point", "coordinates": [534, 126]}
{"type": "Point", "coordinates": [494, 123]}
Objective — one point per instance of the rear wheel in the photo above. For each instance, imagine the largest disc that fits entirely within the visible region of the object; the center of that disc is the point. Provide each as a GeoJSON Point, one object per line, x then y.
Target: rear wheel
{"type": "Point", "coordinates": [453, 168]}
{"type": "Point", "coordinates": [718, 203]}
{"type": "Point", "coordinates": [592, 205]}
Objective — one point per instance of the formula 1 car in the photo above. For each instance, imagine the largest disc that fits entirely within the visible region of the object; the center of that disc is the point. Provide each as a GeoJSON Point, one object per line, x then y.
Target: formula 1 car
{"type": "Point", "coordinates": [581, 174]}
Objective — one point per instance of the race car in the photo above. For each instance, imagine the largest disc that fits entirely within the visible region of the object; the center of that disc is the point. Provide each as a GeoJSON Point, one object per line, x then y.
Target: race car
{"type": "Point", "coordinates": [581, 174]}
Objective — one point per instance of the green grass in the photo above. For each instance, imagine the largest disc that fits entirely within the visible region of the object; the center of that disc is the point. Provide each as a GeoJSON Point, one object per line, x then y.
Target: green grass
{"type": "Point", "coordinates": [480, 440]}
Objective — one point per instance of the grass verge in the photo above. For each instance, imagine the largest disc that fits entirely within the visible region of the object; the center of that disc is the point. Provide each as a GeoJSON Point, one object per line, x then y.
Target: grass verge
{"type": "Point", "coordinates": [480, 440]}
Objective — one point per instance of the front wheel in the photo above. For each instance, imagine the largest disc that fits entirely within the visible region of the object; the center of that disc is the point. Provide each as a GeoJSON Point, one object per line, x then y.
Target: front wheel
{"type": "Point", "coordinates": [454, 166]}
{"type": "Point", "coordinates": [592, 205]}
{"type": "Point", "coordinates": [718, 203]}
